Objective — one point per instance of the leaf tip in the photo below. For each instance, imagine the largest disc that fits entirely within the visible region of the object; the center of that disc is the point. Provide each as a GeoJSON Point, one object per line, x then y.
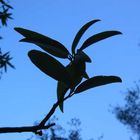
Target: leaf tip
{"type": "Point", "coordinates": [119, 80]}
{"type": "Point", "coordinates": [118, 32]}
{"type": "Point", "coordinates": [62, 110]}
{"type": "Point", "coordinates": [23, 40]}
{"type": "Point", "coordinates": [31, 52]}
{"type": "Point", "coordinates": [16, 29]}
{"type": "Point", "coordinates": [97, 20]}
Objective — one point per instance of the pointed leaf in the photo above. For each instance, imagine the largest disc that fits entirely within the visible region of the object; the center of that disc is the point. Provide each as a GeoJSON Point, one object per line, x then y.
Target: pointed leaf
{"type": "Point", "coordinates": [12, 66]}
{"type": "Point", "coordinates": [76, 71]}
{"type": "Point", "coordinates": [61, 91]}
{"type": "Point", "coordinates": [79, 68]}
{"type": "Point", "coordinates": [50, 66]}
{"type": "Point", "coordinates": [80, 33]}
{"type": "Point", "coordinates": [83, 56]}
{"type": "Point", "coordinates": [47, 44]}
{"type": "Point", "coordinates": [98, 37]}
{"type": "Point", "coordinates": [85, 75]}
{"type": "Point", "coordinates": [7, 53]}
{"type": "Point", "coordinates": [56, 51]}
{"type": "Point", "coordinates": [5, 68]}
{"type": "Point", "coordinates": [97, 81]}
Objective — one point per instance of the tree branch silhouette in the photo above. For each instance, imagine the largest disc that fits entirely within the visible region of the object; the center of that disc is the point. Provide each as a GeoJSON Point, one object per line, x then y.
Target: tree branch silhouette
{"type": "Point", "coordinates": [33, 129]}
{"type": "Point", "coordinates": [69, 78]}
{"type": "Point", "coordinates": [37, 128]}
{"type": "Point", "coordinates": [42, 123]}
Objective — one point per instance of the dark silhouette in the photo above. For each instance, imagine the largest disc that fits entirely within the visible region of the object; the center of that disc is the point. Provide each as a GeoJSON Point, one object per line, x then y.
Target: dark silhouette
{"type": "Point", "coordinates": [4, 61]}
{"type": "Point", "coordinates": [4, 12]}
{"type": "Point", "coordinates": [69, 78]}
{"type": "Point", "coordinates": [4, 16]}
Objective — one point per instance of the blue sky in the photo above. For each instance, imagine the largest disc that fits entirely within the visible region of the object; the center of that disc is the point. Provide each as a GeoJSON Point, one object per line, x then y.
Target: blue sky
{"type": "Point", "coordinates": [27, 94]}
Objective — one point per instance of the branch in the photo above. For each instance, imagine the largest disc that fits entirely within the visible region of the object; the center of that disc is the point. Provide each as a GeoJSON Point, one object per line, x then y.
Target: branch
{"type": "Point", "coordinates": [52, 110]}
{"type": "Point", "coordinates": [33, 129]}
{"type": "Point", "coordinates": [40, 126]}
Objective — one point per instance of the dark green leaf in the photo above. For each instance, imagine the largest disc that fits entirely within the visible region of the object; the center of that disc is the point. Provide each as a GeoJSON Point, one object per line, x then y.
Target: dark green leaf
{"type": "Point", "coordinates": [50, 45]}
{"type": "Point", "coordinates": [80, 33]}
{"type": "Point", "coordinates": [98, 37]}
{"type": "Point", "coordinates": [50, 66]}
{"type": "Point", "coordinates": [97, 81]}
{"type": "Point", "coordinates": [4, 16]}
{"type": "Point", "coordinates": [83, 56]}
{"type": "Point", "coordinates": [85, 75]}
{"type": "Point", "coordinates": [12, 66]}
{"type": "Point", "coordinates": [50, 49]}
{"type": "Point", "coordinates": [76, 72]}
{"type": "Point", "coordinates": [5, 4]}
{"type": "Point", "coordinates": [79, 68]}
{"type": "Point", "coordinates": [61, 91]}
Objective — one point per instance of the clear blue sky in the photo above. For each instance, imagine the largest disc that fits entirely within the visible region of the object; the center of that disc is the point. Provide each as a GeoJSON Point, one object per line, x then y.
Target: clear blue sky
{"type": "Point", "coordinates": [26, 94]}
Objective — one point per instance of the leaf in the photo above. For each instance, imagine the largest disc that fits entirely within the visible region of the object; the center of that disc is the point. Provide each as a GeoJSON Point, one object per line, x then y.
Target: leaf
{"type": "Point", "coordinates": [79, 68]}
{"type": "Point", "coordinates": [61, 91]}
{"type": "Point", "coordinates": [81, 32]}
{"type": "Point", "coordinates": [5, 4]}
{"type": "Point", "coordinates": [83, 56]}
{"type": "Point", "coordinates": [76, 72]}
{"type": "Point", "coordinates": [51, 49]}
{"type": "Point", "coordinates": [47, 44]}
{"type": "Point", "coordinates": [98, 37]}
{"type": "Point", "coordinates": [12, 66]}
{"type": "Point", "coordinates": [85, 75]}
{"type": "Point", "coordinates": [96, 81]}
{"type": "Point", "coordinates": [50, 66]}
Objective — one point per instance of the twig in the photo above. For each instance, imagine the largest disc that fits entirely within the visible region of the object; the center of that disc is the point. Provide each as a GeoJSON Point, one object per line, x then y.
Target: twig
{"type": "Point", "coordinates": [33, 129]}
{"type": "Point", "coordinates": [52, 110]}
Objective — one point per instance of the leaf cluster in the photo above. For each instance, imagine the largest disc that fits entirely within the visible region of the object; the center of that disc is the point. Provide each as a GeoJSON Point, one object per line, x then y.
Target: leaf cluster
{"type": "Point", "coordinates": [5, 61]}
{"type": "Point", "coordinates": [69, 78]}
{"type": "Point", "coordinates": [4, 16]}
{"type": "Point", "coordinates": [4, 12]}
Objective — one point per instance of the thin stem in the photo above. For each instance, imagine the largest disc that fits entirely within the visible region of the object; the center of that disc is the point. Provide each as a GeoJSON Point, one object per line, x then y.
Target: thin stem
{"type": "Point", "coordinates": [40, 126]}
{"type": "Point", "coordinates": [52, 110]}
{"type": "Point", "coordinates": [33, 129]}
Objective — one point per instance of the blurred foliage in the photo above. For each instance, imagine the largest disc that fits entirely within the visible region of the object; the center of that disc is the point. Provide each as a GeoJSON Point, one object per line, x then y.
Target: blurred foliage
{"type": "Point", "coordinates": [129, 114]}
{"type": "Point", "coordinates": [4, 16]}
{"type": "Point", "coordinates": [5, 61]}
{"type": "Point", "coordinates": [57, 132]}
{"type": "Point", "coordinates": [4, 12]}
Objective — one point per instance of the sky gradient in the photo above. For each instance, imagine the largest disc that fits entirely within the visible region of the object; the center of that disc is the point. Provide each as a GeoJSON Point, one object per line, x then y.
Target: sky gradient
{"type": "Point", "coordinates": [26, 94]}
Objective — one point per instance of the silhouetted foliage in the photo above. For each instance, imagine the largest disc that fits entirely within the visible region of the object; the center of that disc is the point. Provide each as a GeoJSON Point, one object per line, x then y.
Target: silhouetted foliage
{"type": "Point", "coordinates": [4, 16]}
{"type": "Point", "coordinates": [69, 77]}
{"type": "Point", "coordinates": [4, 61]}
{"type": "Point", "coordinates": [129, 114]}
{"type": "Point", "coordinates": [4, 12]}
